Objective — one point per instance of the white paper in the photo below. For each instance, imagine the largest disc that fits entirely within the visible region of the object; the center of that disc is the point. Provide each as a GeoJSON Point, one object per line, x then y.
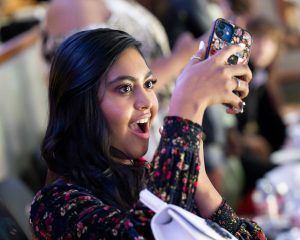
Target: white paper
{"type": "Point", "coordinates": [173, 222]}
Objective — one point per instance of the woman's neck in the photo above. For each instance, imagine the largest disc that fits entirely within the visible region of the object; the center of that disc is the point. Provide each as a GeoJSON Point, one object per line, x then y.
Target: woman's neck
{"type": "Point", "coordinates": [121, 157]}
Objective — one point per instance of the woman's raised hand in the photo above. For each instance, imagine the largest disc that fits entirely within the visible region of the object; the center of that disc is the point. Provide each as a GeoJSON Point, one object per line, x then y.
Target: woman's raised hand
{"type": "Point", "coordinates": [211, 81]}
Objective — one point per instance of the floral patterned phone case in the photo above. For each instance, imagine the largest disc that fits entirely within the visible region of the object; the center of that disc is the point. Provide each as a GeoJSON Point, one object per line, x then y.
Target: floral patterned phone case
{"type": "Point", "coordinates": [226, 33]}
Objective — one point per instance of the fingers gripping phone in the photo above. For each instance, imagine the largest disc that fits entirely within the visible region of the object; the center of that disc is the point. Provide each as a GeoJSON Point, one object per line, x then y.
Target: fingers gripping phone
{"type": "Point", "coordinates": [225, 33]}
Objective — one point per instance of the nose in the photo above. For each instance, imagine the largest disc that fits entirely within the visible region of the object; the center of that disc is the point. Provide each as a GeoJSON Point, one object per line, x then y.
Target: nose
{"type": "Point", "coordinates": [143, 100]}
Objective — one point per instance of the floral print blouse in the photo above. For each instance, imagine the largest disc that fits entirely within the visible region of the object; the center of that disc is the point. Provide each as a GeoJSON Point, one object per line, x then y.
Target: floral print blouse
{"type": "Point", "coordinates": [64, 210]}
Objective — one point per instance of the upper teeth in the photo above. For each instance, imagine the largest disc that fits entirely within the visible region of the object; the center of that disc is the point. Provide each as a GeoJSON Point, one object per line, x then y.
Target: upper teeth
{"type": "Point", "coordinates": [143, 120]}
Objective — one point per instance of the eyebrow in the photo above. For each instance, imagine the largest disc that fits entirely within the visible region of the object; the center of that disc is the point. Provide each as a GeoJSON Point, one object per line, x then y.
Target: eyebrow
{"type": "Point", "coordinates": [128, 77]}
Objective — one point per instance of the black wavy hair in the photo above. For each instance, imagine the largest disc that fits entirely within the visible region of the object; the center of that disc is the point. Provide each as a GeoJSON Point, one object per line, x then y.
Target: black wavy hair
{"type": "Point", "coordinates": [77, 143]}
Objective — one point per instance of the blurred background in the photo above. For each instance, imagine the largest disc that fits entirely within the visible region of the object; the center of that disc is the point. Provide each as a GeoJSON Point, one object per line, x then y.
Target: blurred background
{"type": "Point", "coordinates": [252, 159]}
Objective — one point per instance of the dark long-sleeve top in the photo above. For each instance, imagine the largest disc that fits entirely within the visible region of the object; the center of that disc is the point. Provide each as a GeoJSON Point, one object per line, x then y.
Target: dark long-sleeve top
{"type": "Point", "coordinates": [262, 116]}
{"type": "Point", "coordinates": [65, 210]}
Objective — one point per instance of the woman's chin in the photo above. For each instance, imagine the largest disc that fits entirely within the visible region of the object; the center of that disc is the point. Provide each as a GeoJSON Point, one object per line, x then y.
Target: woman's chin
{"type": "Point", "coordinates": [139, 152]}
{"type": "Point", "coordinates": [133, 149]}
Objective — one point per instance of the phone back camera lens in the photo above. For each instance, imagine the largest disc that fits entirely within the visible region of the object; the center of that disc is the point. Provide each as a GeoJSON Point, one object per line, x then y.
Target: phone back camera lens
{"type": "Point", "coordinates": [219, 33]}
{"type": "Point", "coordinates": [221, 25]}
{"type": "Point", "coordinates": [227, 32]}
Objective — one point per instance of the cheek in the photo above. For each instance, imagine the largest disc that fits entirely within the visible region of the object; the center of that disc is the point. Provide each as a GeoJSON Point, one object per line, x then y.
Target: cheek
{"type": "Point", "coordinates": [117, 115]}
{"type": "Point", "coordinates": [155, 106]}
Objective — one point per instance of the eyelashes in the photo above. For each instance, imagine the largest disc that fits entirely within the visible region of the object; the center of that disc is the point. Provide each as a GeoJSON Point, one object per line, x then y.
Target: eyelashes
{"type": "Point", "coordinates": [128, 87]}
{"type": "Point", "coordinates": [150, 83]}
{"type": "Point", "coordinates": [125, 88]}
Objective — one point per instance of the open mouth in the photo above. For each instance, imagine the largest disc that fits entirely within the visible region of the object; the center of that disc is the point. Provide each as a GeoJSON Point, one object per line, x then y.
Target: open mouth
{"type": "Point", "coordinates": [141, 126]}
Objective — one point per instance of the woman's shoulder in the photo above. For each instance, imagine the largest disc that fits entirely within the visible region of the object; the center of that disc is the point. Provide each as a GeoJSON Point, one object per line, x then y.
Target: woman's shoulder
{"type": "Point", "coordinates": [63, 191]}
{"type": "Point", "coordinates": [57, 195]}
{"type": "Point", "coordinates": [66, 203]}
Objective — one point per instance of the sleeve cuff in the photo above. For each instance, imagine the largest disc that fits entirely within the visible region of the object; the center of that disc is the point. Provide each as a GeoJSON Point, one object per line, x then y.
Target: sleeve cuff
{"type": "Point", "coordinates": [226, 217]}
{"type": "Point", "coordinates": [181, 131]}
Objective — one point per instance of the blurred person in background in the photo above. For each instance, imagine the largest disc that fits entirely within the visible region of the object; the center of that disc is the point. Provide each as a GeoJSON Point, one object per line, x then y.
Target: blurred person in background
{"type": "Point", "coordinates": [178, 16]}
{"type": "Point", "coordinates": [261, 127]}
{"type": "Point", "coordinates": [129, 16]}
{"type": "Point", "coordinates": [262, 115]}
{"type": "Point", "coordinates": [289, 17]}
{"type": "Point", "coordinates": [237, 11]}
{"type": "Point", "coordinates": [289, 12]}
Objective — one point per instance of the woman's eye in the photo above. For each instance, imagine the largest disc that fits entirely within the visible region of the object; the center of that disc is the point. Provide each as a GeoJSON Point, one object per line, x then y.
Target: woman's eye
{"type": "Point", "coordinates": [150, 84]}
{"type": "Point", "coordinates": [125, 88]}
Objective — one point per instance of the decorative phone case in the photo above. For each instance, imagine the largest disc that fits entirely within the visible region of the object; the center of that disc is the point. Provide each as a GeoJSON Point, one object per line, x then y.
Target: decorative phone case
{"type": "Point", "coordinates": [239, 36]}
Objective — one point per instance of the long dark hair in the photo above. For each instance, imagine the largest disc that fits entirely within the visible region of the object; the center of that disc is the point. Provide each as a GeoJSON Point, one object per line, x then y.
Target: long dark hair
{"type": "Point", "coordinates": [77, 143]}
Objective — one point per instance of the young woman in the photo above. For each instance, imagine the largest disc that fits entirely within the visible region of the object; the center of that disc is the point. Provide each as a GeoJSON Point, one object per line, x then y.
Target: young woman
{"type": "Point", "coordinates": [102, 105]}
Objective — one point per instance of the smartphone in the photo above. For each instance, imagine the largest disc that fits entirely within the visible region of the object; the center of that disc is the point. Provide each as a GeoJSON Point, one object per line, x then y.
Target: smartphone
{"type": "Point", "coordinates": [225, 33]}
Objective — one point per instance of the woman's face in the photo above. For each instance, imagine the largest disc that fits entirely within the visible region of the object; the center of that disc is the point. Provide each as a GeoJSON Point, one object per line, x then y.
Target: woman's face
{"type": "Point", "coordinates": [129, 103]}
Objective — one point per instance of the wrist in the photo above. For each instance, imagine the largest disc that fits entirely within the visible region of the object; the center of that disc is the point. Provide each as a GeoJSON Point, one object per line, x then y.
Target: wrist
{"type": "Point", "coordinates": [190, 110]}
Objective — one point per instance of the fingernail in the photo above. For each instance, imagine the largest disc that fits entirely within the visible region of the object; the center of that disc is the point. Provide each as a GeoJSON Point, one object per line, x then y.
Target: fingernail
{"type": "Point", "coordinates": [241, 106]}
{"type": "Point", "coordinates": [161, 129]}
{"type": "Point", "coordinates": [201, 45]}
{"type": "Point", "coordinates": [243, 45]}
